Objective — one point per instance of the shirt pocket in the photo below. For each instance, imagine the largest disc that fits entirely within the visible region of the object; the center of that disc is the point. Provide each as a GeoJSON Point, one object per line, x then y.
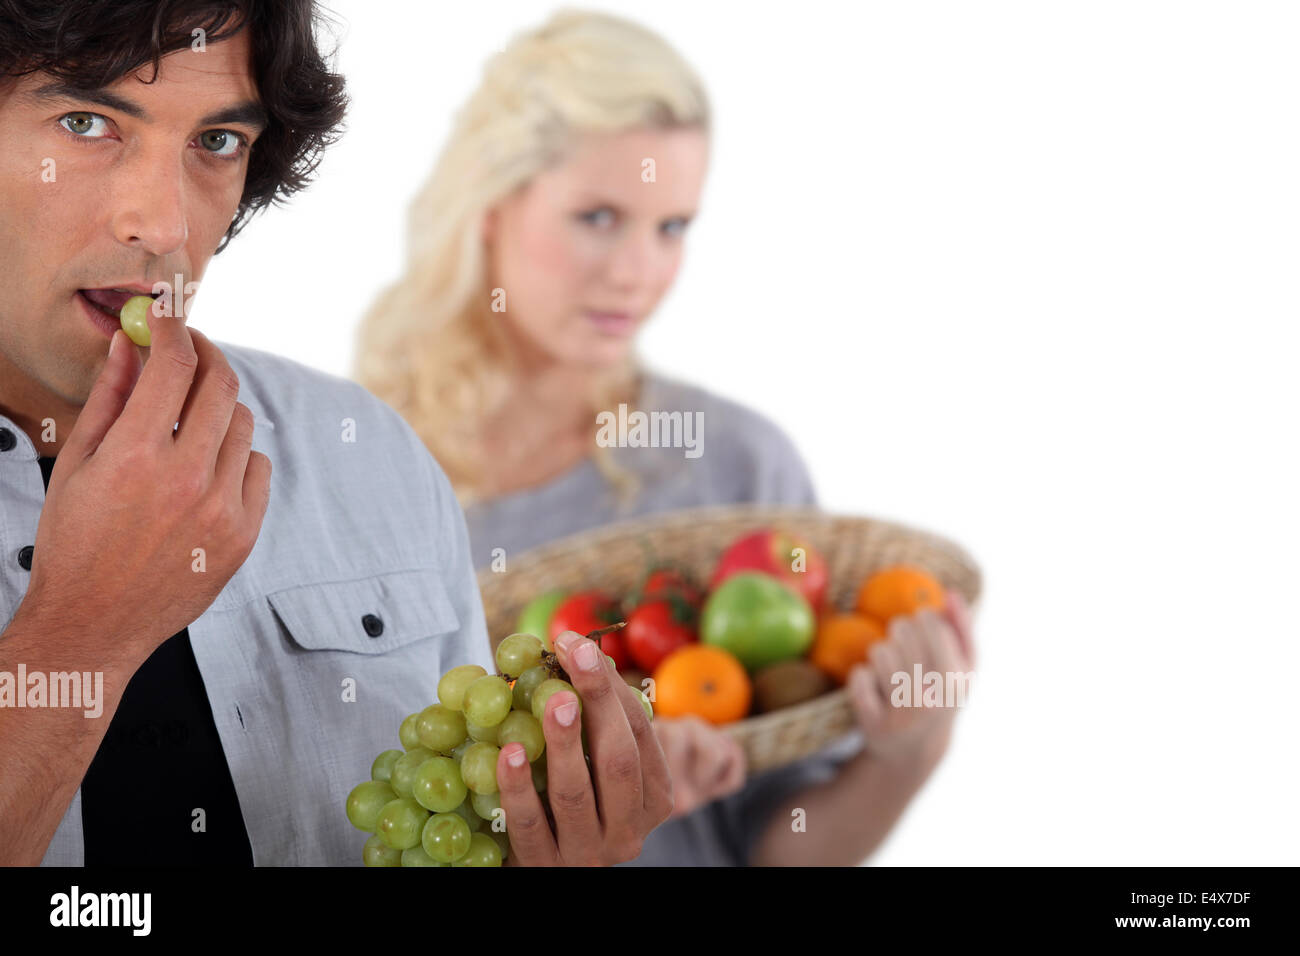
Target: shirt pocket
{"type": "Point", "coordinates": [371, 615]}
{"type": "Point", "coordinates": [358, 655]}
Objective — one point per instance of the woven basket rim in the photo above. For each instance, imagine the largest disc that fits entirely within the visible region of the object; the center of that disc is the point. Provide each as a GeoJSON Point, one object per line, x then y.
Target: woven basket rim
{"type": "Point", "coordinates": [590, 537]}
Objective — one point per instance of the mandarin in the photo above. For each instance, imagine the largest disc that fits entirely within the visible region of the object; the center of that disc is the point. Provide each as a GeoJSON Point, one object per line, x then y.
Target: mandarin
{"type": "Point", "coordinates": [702, 680]}
{"type": "Point", "coordinates": [842, 643]}
{"type": "Point", "coordinates": [900, 590]}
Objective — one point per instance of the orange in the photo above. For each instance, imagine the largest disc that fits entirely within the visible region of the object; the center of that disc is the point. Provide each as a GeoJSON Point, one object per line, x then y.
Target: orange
{"type": "Point", "coordinates": [903, 589]}
{"type": "Point", "coordinates": [842, 642]}
{"type": "Point", "coordinates": [702, 680]}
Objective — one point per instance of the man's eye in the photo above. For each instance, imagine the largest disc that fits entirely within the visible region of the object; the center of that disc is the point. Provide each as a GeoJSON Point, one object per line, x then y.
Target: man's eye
{"type": "Point", "coordinates": [221, 142]}
{"type": "Point", "coordinates": [89, 125]}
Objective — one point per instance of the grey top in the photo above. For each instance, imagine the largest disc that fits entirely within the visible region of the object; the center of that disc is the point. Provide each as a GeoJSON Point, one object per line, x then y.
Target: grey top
{"type": "Point", "coordinates": [741, 458]}
{"type": "Point", "coordinates": [361, 522]}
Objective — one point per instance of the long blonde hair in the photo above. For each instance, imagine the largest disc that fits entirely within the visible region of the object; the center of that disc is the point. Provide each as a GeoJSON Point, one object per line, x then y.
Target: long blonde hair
{"type": "Point", "coordinates": [429, 346]}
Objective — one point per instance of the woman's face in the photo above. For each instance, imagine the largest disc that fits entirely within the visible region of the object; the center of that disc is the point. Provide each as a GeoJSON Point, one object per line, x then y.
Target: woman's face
{"type": "Point", "coordinates": [584, 252]}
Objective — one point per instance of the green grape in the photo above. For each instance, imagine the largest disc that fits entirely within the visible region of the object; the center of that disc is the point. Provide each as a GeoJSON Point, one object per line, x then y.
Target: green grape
{"type": "Point", "coordinates": [382, 768]}
{"type": "Point", "coordinates": [543, 694]}
{"type": "Point", "coordinates": [502, 840]}
{"type": "Point", "coordinates": [645, 704]}
{"type": "Point", "coordinates": [400, 823]}
{"type": "Point", "coordinates": [479, 734]}
{"type": "Point", "coordinates": [404, 769]}
{"type": "Point", "coordinates": [485, 804]}
{"type": "Point", "coordinates": [416, 856]}
{"type": "Point", "coordinates": [459, 750]}
{"type": "Point", "coordinates": [479, 768]}
{"type": "Point", "coordinates": [451, 688]}
{"type": "Point", "coordinates": [487, 701]}
{"type": "Point", "coordinates": [437, 785]}
{"type": "Point", "coordinates": [439, 728]}
{"type": "Point", "coordinates": [407, 733]}
{"type": "Point", "coordinates": [365, 801]}
{"type": "Point", "coordinates": [517, 653]}
{"type": "Point", "coordinates": [133, 317]}
{"type": "Point", "coordinates": [526, 685]}
{"type": "Point", "coordinates": [483, 851]}
{"type": "Point", "coordinates": [522, 728]}
{"type": "Point", "coordinates": [466, 811]}
{"type": "Point", "coordinates": [446, 837]}
{"type": "Point", "coordinates": [539, 774]}
{"type": "Point", "coordinates": [378, 853]}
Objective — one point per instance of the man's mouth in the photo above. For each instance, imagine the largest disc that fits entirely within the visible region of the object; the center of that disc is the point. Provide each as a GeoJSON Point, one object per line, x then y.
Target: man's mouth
{"type": "Point", "coordinates": [110, 301]}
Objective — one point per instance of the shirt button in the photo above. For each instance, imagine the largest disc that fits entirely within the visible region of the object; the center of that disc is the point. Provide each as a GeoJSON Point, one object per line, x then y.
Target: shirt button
{"type": "Point", "coordinates": [25, 557]}
{"type": "Point", "coordinates": [373, 624]}
{"type": "Point", "coordinates": [7, 439]}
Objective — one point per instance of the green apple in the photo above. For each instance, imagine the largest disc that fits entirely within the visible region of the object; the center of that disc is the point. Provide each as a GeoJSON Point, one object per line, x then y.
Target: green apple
{"type": "Point", "coordinates": [535, 618]}
{"type": "Point", "coordinates": [758, 619]}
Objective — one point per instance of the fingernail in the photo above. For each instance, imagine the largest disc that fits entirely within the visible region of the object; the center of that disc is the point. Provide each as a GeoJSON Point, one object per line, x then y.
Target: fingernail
{"type": "Point", "coordinates": [566, 714]}
{"type": "Point", "coordinates": [587, 657]}
{"type": "Point", "coordinates": [112, 343]}
{"type": "Point", "coordinates": [564, 640]}
{"type": "Point", "coordinates": [517, 758]}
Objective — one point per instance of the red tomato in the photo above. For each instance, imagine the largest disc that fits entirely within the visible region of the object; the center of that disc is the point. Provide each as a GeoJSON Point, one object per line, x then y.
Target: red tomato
{"type": "Point", "coordinates": [589, 611]}
{"type": "Point", "coordinates": [656, 629]}
{"type": "Point", "coordinates": [615, 646]}
{"type": "Point", "coordinates": [667, 582]}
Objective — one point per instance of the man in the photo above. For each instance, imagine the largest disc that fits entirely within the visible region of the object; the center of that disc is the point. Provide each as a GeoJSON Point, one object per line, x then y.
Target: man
{"type": "Point", "coordinates": [261, 563]}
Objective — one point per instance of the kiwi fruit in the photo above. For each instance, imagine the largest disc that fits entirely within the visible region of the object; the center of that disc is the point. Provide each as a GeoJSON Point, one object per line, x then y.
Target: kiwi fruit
{"type": "Point", "coordinates": [787, 683]}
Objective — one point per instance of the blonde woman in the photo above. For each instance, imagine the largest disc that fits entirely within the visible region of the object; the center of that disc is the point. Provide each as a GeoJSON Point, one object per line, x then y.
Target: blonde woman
{"type": "Point", "coordinates": [542, 242]}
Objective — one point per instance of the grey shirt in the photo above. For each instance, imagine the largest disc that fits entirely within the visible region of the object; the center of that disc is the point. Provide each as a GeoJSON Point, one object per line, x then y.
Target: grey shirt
{"type": "Point", "coordinates": [359, 593]}
{"type": "Point", "coordinates": [742, 458]}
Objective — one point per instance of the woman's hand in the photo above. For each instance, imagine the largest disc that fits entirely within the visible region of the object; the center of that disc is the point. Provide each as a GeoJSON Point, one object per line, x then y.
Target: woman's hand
{"type": "Point", "coordinates": [907, 735]}
{"type": "Point", "coordinates": [704, 763]}
{"type": "Point", "coordinates": [602, 814]}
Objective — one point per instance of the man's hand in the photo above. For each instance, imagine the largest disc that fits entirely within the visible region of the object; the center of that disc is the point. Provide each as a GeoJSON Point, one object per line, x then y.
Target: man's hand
{"type": "Point", "coordinates": [130, 499]}
{"type": "Point", "coordinates": [602, 814]}
{"type": "Point", "coordinates": [705, 763]}
{"type": "Point", "coordinates": [910, 735]}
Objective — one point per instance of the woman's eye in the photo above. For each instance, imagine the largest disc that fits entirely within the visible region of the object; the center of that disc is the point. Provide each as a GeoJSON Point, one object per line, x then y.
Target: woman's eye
{"type": "Point", "coordinates": [675, 227]}
{"type": "Point", "coordinates": [221, 142]}
{"type": "Point", "coordinates": [89, 125]}
{"type": "Point", "coordinates": [600, 218]}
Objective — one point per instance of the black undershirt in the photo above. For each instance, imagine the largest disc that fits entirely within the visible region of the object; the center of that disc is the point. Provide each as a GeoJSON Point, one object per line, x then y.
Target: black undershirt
{"type": "Point", "coordinates": [161, 760]}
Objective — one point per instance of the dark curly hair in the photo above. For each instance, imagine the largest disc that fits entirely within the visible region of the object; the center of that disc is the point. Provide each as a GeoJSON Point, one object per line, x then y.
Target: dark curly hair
{"type": "Point", "coordinates": [93, 43]}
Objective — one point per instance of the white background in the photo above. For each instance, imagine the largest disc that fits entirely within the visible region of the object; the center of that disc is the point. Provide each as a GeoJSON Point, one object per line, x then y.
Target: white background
{"type": "Point", "coordinates": [1023, 274]}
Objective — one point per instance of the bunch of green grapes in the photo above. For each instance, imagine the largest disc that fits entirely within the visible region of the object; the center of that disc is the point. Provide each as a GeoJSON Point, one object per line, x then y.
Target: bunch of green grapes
{"type": "Point", "coordinates": [436, 803]}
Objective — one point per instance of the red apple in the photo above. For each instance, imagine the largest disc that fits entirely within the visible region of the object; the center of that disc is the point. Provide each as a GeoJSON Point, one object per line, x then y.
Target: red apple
{"type": "Point", "coordinates": [774, 553]}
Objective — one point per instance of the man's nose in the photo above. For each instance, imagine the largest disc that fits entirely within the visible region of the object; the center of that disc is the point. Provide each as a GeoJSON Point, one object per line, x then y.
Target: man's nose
{"type": "Point", "coordinates": [150, 214]}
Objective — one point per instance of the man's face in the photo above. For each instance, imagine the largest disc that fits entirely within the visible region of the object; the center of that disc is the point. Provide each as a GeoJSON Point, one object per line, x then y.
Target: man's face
{"type": "Point", "coordinates": [116, 188]}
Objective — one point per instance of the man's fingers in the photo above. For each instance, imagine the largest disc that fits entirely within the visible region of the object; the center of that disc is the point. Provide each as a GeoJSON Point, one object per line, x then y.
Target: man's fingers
{"type": "Point", "coordinates": [615, 760]}
{"type": "Point", "coordinates": [108, 396]}
{"type": "Point", "coordinates": [155, 405]}
{"type": "Point", "coordinates": [531, 840]}
{"type": "Point", "coordinates": [578, 832]}
{"type": "Point", "coordinates": [205, 417]}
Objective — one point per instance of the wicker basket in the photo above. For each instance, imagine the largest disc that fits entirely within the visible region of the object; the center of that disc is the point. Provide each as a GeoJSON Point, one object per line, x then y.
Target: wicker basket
{"type": "Point", "coordinates": [615, 558]}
